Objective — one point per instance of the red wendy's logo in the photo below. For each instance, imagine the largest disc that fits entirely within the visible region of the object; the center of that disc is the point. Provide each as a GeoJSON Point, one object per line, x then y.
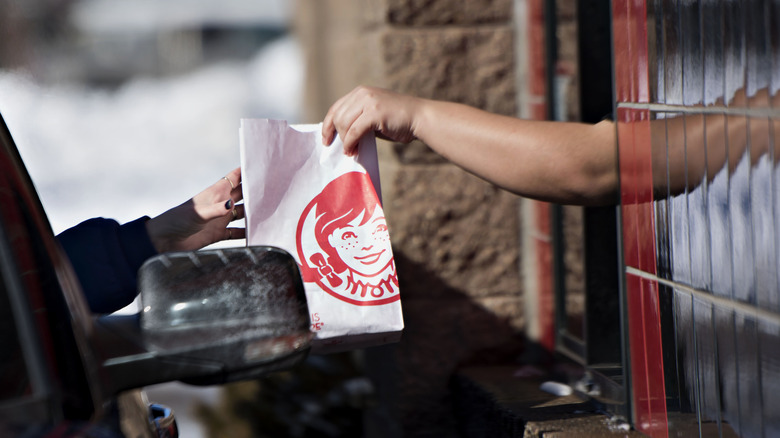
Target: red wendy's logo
{"type": "Point", "coordinates": [343, 243]}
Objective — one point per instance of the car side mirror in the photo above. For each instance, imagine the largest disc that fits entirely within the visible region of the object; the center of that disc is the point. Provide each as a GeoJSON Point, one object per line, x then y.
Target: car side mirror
{"type": "Point", "coordinates": [208, 317]}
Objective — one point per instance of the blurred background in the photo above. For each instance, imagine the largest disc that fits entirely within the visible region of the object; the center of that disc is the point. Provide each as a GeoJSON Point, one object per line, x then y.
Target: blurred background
{"type": "Point", "coordinates": [127, 108]}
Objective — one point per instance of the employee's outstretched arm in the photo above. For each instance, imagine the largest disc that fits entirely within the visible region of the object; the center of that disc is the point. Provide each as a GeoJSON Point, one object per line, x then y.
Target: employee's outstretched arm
{"type": "Point", "coordinates": [569, 163]}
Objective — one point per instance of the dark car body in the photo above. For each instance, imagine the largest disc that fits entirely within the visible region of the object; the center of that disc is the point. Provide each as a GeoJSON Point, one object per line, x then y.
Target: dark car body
{"type": "Point", "coordinates": [46, 368]}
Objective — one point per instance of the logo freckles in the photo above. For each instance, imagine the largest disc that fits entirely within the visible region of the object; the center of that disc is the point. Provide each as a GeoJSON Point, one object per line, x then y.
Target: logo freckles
{"type": "Point", "coordinates": [345, 249]}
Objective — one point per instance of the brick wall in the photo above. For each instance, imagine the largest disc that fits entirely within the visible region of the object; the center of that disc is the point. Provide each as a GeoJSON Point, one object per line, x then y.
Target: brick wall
{"type": "Point", "coordinates": [456, 238]}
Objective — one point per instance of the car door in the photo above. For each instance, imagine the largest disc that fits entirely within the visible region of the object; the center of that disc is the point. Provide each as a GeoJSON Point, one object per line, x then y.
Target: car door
{"type": "Point", "coordinates": [48, 367]}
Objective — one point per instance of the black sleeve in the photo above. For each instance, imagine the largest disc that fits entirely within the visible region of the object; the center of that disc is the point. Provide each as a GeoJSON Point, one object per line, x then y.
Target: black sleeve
{"type": "Point", "coordinates": [106, 257]}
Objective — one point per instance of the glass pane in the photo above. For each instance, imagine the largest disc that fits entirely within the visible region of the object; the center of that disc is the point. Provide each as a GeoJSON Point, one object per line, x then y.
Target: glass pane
{"type": "Point", "coordinates": [690, 46]}
{"type": "Point", "coordinates": [712, 50]}
{"type": "Point", "coordinates": [697, 182]}
{"type": "Point", "coordinates": [770, 376]}
{"type": "Point", "coordinates": [725, 333]}
{"type": "Point", "coordinates": [672, 54]}
{"type": "Point", "coordinates": [14, 381]}
{"type": "Point", "coordinates": [733, 46]}
{"type": "Point", "coordinates": [574, 279]}
{"type": "Point", "coordinates": [740, 213]}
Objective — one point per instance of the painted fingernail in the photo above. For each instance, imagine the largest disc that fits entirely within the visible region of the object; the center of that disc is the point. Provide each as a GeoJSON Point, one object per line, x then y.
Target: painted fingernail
{"type": "Point", "coordinates": [228, 204]}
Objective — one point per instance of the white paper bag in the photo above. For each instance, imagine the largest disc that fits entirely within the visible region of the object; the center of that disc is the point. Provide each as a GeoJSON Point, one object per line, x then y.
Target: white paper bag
{"type": "Point", "coordinates": [323, 208]}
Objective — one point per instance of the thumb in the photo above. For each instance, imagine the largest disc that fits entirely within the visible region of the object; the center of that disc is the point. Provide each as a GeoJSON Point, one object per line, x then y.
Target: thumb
{"type": "Point", "coordinates": [216, 210]}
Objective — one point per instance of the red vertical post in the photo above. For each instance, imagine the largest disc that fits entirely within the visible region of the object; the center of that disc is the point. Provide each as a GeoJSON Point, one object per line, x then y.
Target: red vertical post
{"type": "Point", "coordinates": [541, 235]}
{"type": "Point", "coordinates": [634, 143]}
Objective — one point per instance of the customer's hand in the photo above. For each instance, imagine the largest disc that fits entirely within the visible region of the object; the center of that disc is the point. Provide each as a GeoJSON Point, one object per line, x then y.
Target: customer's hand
{"type": "Point", "coordinates": [202, 220]}
{"type": "Point", "coordinates": [365, 109]}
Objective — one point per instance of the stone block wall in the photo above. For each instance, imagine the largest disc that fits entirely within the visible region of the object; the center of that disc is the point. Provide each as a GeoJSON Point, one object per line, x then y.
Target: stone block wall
{"type": "Point", "coordinates": [455, 237]}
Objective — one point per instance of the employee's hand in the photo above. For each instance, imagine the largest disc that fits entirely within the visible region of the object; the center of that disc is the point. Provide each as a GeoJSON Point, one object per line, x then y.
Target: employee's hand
{"type": "Point", "coordinates": [202, 220]}
{"type": "Point", "coordinates": [365, 109]}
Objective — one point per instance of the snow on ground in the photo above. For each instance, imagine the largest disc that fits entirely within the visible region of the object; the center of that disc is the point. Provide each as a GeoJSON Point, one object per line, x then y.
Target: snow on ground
{"type": "Point", "coordinates": [145, 147]}
{"type": "Point", "coordinates": [149, 145]}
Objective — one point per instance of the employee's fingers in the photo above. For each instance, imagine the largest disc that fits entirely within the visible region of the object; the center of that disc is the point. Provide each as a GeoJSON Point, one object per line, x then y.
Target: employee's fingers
{"type": "Point", "coordinates": [343, 113]}
{"type": "Point", "coordinates": [346, 117]}
{"type": "Point", "coordinates": [356, 131]}
{"type": "Point", "coordinates": [329, 128]}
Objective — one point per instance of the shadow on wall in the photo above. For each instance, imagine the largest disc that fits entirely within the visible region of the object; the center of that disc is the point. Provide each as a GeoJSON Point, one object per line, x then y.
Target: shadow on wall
{"type": "Point", "coordinates": [393, 390]}
{"type": "Point", "coordinates": [445, 329]}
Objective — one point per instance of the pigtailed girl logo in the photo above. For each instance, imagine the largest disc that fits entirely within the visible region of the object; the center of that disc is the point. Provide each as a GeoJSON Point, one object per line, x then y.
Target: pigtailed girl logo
{"type": "Point", "coordinates": [350, 256]}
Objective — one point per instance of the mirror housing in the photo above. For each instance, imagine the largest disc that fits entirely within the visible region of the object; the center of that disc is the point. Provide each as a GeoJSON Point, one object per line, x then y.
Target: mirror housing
{"type": "Point", "coordinates": [208, 317]}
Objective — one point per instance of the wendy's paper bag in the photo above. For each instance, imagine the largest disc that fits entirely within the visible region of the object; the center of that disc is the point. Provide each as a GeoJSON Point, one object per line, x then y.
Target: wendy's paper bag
{"type": "Point", "coordinates": [324, 208]}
